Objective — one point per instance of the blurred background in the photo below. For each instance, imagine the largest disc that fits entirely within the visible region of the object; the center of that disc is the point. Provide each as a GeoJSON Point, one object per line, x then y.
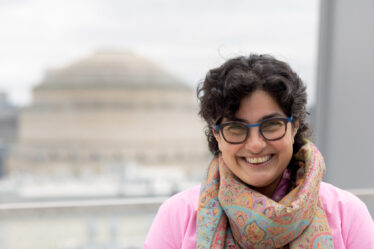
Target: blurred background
{"type": "Point", "coordinates": [98, 108]}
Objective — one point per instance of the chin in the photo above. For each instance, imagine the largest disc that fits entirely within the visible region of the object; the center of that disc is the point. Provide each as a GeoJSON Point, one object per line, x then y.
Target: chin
{"type": "Point", "coordinates": [257, 185]}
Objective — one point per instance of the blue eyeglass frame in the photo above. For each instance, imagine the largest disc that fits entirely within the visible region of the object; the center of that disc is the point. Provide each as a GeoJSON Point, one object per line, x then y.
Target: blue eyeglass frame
{"type": "Point", "coordinates": [218, 127]}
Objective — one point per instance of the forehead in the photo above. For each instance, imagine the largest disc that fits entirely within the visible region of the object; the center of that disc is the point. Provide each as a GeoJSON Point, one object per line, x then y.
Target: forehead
{"type": "Point", "coordinates": [257, 105]}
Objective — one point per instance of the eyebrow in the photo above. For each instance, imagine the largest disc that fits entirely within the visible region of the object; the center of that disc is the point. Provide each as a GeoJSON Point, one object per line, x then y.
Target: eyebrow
{"type": "Point", "coordinates": [271, 115]}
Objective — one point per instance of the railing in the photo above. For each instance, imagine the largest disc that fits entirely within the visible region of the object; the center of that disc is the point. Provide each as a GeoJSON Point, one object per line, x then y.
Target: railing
{"type": "Point", "coordinates": [77, 224]}
{"type": "Point", "coordinates": [128, 202]}
{"type": "Point", "coordinates": [363, 192]}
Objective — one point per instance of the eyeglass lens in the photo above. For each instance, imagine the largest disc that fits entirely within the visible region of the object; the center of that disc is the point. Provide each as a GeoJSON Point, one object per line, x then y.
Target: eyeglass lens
{"type": "Point", "coordinates": [236, 132]}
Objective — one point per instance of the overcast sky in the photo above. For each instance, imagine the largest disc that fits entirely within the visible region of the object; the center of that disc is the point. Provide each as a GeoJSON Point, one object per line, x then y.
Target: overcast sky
{"type": "Point", "coordinates": [186, 38]}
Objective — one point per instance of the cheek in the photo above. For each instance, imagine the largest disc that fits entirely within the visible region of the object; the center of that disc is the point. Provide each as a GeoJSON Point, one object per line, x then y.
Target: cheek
{"type": "Point", "coordinates": [228, 150]}
{"type": "Point", "coordinates": [284, 147]}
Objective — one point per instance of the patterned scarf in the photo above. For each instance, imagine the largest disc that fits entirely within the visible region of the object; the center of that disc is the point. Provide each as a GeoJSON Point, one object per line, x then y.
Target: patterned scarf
{"type": "Point", "coordinates": [232, 216]}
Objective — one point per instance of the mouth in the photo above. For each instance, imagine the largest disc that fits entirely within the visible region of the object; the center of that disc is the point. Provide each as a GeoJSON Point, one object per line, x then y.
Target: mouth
{"type": "Point", "coordinates": [258, 161]}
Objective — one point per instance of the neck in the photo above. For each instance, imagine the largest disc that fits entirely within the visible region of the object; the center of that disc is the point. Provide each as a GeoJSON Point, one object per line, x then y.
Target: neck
{"type": "Point", "coordinates": [270, 189]}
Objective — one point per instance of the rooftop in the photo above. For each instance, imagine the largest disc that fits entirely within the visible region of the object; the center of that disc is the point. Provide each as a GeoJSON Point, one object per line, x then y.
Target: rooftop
{"type": "Point", "coordinates": [111, 70]}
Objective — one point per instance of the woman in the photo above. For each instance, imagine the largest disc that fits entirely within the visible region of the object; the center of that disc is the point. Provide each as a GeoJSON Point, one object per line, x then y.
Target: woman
{"type": "Point", "coordinates": [263, 187]}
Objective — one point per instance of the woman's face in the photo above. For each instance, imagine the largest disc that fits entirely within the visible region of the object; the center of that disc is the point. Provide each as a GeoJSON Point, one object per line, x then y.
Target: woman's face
{"type": "Point", "coordinates": [258, 162]}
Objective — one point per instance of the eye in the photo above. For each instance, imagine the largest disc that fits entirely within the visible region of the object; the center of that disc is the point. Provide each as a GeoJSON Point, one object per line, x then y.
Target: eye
{"type": "Point", "coordinates": [236, 129]}
{"type": "Point", "coordinates": [272, 125]}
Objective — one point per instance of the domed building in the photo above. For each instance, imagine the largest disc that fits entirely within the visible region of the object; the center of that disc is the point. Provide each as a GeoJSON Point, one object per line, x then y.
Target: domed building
{"type": "Point", "coordinates": [109, 108]}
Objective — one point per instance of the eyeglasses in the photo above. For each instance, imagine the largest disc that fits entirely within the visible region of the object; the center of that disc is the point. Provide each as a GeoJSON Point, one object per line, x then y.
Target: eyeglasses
{"type": "Point", "coordinates": [235, 132]}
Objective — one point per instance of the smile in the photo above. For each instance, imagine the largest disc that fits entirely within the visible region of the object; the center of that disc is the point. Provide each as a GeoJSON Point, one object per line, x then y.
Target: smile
{"type": "Point", "coordinates": [257, 160]}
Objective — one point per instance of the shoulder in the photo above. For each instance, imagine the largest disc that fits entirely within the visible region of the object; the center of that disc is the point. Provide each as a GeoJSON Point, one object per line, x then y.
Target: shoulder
{"type": "Point", "coordinates": [338, 201]}
{"type": "Point", "coordinates": [348, 217]}
{"type": "Point", "coordinates": [332, 195]}
{"type": "Point", "coordinates": [187, 199]}
{"type": "Point", "coordinates": [175, 223]}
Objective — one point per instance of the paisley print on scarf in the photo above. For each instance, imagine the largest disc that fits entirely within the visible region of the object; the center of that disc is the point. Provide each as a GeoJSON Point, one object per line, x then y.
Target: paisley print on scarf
{"type": "Point", "coordinates": [231, 215]}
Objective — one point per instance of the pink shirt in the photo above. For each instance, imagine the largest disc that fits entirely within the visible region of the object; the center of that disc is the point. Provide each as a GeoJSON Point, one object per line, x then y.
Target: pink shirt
{"type": "Point", "coordinates": [175, 224]}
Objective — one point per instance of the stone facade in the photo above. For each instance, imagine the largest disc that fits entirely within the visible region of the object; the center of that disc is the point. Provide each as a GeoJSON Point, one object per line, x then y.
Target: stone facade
{"type": "Point", "coordinates": [8, 128]}
{"type": "Point", "coordinates": [107, 109]}
{"type": "Point", "coordinates": [8, 121]}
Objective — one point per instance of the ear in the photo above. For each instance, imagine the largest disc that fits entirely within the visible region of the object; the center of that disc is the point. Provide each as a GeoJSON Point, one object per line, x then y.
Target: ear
{"type": "Point", "coordinates": [295, 128]}
{"type": "Point", "coordinates": [216, 136]}
{"type": "Point", "coordinates": [215, 133]}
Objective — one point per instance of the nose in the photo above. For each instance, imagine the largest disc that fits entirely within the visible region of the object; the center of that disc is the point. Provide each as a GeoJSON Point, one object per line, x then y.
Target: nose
{"type": "Point", "coordinates": [255, 143]}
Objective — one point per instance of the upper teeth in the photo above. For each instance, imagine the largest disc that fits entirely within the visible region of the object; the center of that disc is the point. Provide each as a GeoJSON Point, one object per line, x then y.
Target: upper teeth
{"type": "Point", "coordinates": [257, 159]}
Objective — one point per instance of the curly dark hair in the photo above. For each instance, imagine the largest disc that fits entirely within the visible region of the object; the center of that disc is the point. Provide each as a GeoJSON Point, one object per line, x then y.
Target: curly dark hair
{"type": "Point", "coordinates": [224, 87]}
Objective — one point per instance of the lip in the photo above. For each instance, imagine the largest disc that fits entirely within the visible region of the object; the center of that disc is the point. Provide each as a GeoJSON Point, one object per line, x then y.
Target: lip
{"type": "Point", "coordinates": [258, 165]}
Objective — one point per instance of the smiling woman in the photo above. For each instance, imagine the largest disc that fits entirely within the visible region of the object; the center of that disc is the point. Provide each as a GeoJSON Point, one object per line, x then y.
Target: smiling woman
{"type": "Point", "coordinates": [258, 161]}
{"type": "Point", "coordinates": [263, 187]}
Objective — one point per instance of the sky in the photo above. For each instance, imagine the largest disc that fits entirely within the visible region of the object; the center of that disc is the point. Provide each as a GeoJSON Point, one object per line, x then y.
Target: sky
{"type": "Point", "coordinates": [186, 38]}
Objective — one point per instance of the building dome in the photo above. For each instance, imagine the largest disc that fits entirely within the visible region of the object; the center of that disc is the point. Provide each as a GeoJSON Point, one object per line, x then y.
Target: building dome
{"type": "Point", "coordinates": [105, 69]}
